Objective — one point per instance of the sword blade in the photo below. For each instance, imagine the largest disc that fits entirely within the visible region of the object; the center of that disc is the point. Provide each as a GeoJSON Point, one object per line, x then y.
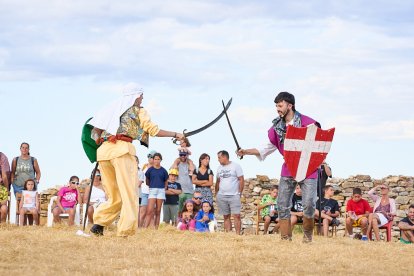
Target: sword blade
{"type": "Point", "coordinates": [231, 129]}
{"type": "Point", "coordinates": [186, 134]}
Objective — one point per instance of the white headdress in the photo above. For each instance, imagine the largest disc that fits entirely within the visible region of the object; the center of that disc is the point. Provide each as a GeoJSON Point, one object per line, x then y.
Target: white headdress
{"type": "Point", "coordinates": [108, 118]}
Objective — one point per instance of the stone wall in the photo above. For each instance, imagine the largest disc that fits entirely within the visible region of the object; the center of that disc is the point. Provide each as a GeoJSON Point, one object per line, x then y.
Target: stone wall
{"type": "Point", "coordinates": [401, 189]}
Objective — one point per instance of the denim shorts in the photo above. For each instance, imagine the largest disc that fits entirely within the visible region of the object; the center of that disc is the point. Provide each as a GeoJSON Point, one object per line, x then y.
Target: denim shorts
{"type": "Point", "coordinates": [143, 200]}
{"type": "Point", "coordinates": [157, 193]}
{"type": "Point", "coordinates": [17, 189]}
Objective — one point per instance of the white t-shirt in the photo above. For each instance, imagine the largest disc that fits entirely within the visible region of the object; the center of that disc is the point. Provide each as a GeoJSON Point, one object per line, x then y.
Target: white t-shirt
{"type": "Point", "coordinates": [229, 178]}
{"type": "Point", "coordinates": [141, 176]}
{"type": "Point", "coordinates": [29, 199]}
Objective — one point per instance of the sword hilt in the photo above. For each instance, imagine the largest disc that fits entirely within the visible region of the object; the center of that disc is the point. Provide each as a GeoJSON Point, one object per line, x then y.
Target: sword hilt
{"type": "Point", "coordinates": [241, 156]}
{"type": "Point", "coordinates": [175, 140]}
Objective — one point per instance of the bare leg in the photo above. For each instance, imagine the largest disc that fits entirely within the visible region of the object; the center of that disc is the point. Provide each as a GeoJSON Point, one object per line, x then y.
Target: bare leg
{"type": "Point", "coordinates": [22, 212]}
{"type": "Point", "coordinates": [56, 214]}
{"type": "Point", "coordinates": [3, 213]}
{"type": "Point", "coordinates": [325, 224]}
{"type": "Point", "coordinates": [364, 225]}
{"type": "Point", "coordinates": [227, 223]}
{"type": "Point", "coordinates": [71, 217]}
{"type": "Point", "coordinates": [266, 224]}
{"type": "Point", "coordinates": [158, 212]}
{"type": "Point", "coordinates": [375, 227]}
{"type": "Point", "coordinates": [293, 220]}
{"type": "Point", "coordinates": [370, 217]}
{"type": "Point", "coordinates": [142, 215]}
{"type": "Point", "coordinates": [150, 212]}
{"type": "Point", "coordinates": [90, 214]}
{"type": "Point", "coordinates": [349, 228]}
{"type": "Point", "coordinates": [237, 223]}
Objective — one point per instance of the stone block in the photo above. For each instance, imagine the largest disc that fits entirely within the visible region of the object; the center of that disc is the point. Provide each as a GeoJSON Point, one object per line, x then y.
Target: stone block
{"type": "Point", "coordinates": [402, 199]}
{"type": "Point", "coordinates": [363, 178]}
{"type": "Point", "coordinates": [257, 190]}
{"type": "Point", "coordinates": [392, 179]}
{"type": "Point", "coordinates": [401, 213]}
{"type": "Point", "coordinates": [262, 178]}
{"type": "Point", "coordinates": [368, 184]}
{"type": "Point", "coordinates": [349, 184]}
{"type": "Point", "coordinates": [403, 193]}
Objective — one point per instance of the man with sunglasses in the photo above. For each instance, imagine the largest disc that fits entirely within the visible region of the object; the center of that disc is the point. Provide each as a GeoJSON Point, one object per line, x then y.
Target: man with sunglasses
{"type": "Point", "coordinates": [197, 199]}
{"type": "Point", "coordinates": [184, 179]}
{"type": "Point", "coordinates": [115, 127]}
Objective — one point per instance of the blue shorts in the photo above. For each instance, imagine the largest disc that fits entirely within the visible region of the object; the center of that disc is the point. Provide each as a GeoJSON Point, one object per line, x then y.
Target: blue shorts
{"type": "Point", "coordinates": [17, 189]}
{"type": "Point", "coordinates": [143, 200]}
{"type": "Point", "coordinates": [66, 208]}
{"type": "Point", "coordinates": [157, 193]}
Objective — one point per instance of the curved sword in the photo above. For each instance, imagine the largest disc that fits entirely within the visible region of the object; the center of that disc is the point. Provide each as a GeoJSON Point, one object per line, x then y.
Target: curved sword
{"type": "Point", "coordinates": [190, 133]}
{"type": "Point", "coordinates": [232, 131]}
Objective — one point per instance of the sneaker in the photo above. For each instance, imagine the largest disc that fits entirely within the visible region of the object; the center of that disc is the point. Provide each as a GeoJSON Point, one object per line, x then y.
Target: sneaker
{"type": "Point", "coordinates": [97, 230]}
{"type": "Point", "coordinates": [364, 238]}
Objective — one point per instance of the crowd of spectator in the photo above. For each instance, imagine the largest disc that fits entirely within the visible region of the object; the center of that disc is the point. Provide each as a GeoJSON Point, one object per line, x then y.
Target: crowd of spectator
{"type": "Point", "coordinates": [184, 194]}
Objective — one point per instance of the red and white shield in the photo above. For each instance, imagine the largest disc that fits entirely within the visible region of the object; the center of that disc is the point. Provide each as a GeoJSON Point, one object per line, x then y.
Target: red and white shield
{"type": "Point", "coordinates": [305, 149]}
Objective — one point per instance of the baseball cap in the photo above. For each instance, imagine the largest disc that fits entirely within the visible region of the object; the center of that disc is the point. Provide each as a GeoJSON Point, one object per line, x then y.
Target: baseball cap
{"type": "Point", "coordinates": [173, 171]}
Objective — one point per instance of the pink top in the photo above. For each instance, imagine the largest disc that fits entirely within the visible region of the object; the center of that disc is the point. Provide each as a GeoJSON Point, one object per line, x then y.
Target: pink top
{"type": "Point", "coordinates": [69, 197]}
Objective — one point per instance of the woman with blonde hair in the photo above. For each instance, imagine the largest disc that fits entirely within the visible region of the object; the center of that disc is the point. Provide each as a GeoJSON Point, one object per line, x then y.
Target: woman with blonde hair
{"type": "Point", "coordinates": [383, 212]}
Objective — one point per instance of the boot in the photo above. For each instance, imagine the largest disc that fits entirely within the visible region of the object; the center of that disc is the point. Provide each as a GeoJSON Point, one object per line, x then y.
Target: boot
{"type": "Point", "coordinates": [285, 229]}
{"type": "Point", "coordinates": [307, 229]}
{"type": "Point", "coordinates": [97, 230]}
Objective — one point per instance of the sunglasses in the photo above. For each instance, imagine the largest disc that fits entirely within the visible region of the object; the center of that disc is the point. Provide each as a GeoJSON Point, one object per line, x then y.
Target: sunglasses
{"type": "Point", "coordinates": [149, 156]}
{"type": "Point", "coordinates": [198, 197]}
{"type": "Point", "coordinates": [74, 182]}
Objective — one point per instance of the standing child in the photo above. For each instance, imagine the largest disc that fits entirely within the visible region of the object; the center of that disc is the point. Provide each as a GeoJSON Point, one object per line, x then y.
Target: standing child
{"type": "Point", "coordinates": [171, 198]}
{"type": "Point", "coordinates": [204, 217]}
{"type": "Point", "coordinates": [187, 221]}
{"type": "Point", "coordinates": [157, 179]}
{"type": "Point", "coordinates": [30, 202]}
{"type": "Point", "coordinates": [184, 150]}
{"type": "Point", "coordinates": [67, 200]}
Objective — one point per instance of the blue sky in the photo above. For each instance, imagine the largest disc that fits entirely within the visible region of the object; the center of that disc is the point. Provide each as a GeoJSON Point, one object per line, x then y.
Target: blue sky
{"type": "Point", "coordinates": [349, 64]}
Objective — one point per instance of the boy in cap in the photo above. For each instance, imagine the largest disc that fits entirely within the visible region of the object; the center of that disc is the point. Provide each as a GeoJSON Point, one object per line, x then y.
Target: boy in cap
{"type": "Point", "coordinates": [171, 198]}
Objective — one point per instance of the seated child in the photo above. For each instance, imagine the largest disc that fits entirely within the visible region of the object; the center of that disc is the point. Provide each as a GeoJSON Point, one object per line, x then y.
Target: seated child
{"type": "Point", "coordinates": [358, 210]}
{"type": "Point", "coordinates": [204, 217]}
{"type": "Point", "coordinates": [268, 207]}
{"type": "Point", "coordinates": [29, 204]}
{"type": "Point", "coordinates": [184, 150]}
{"type": "Point", "coordinates": [187, 221]}
{"type": "Point", "coordinates": [66, 201]}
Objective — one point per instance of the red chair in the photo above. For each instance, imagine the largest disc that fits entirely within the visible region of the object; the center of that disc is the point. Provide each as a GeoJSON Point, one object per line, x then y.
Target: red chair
{"type": "Point", "coordinates": [388, 227]}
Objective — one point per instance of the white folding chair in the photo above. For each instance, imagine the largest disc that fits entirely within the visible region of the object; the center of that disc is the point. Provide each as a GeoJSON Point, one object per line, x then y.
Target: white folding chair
{"type": "Point", "coordinates": [50, 214]}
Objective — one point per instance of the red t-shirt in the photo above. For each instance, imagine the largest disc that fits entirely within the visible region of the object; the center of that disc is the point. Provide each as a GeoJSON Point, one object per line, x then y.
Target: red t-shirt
{"type": "Point", "coordinates": [360, 207]}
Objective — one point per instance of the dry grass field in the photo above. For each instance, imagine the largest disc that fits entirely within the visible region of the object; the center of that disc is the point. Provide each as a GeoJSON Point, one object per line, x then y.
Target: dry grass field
{"type": "Point", "coordinates": [41, 250]}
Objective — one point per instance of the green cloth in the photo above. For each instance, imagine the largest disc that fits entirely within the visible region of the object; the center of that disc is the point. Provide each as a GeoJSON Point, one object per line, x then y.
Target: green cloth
{"type": "Point", "coordinates": [404, 241]}
{"type": "Point", "coordinates": [268, 199]}
{"type": "Point", "coordinates": [89, 145]}
{"type": "Point", "coordinates": [4, 194]}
